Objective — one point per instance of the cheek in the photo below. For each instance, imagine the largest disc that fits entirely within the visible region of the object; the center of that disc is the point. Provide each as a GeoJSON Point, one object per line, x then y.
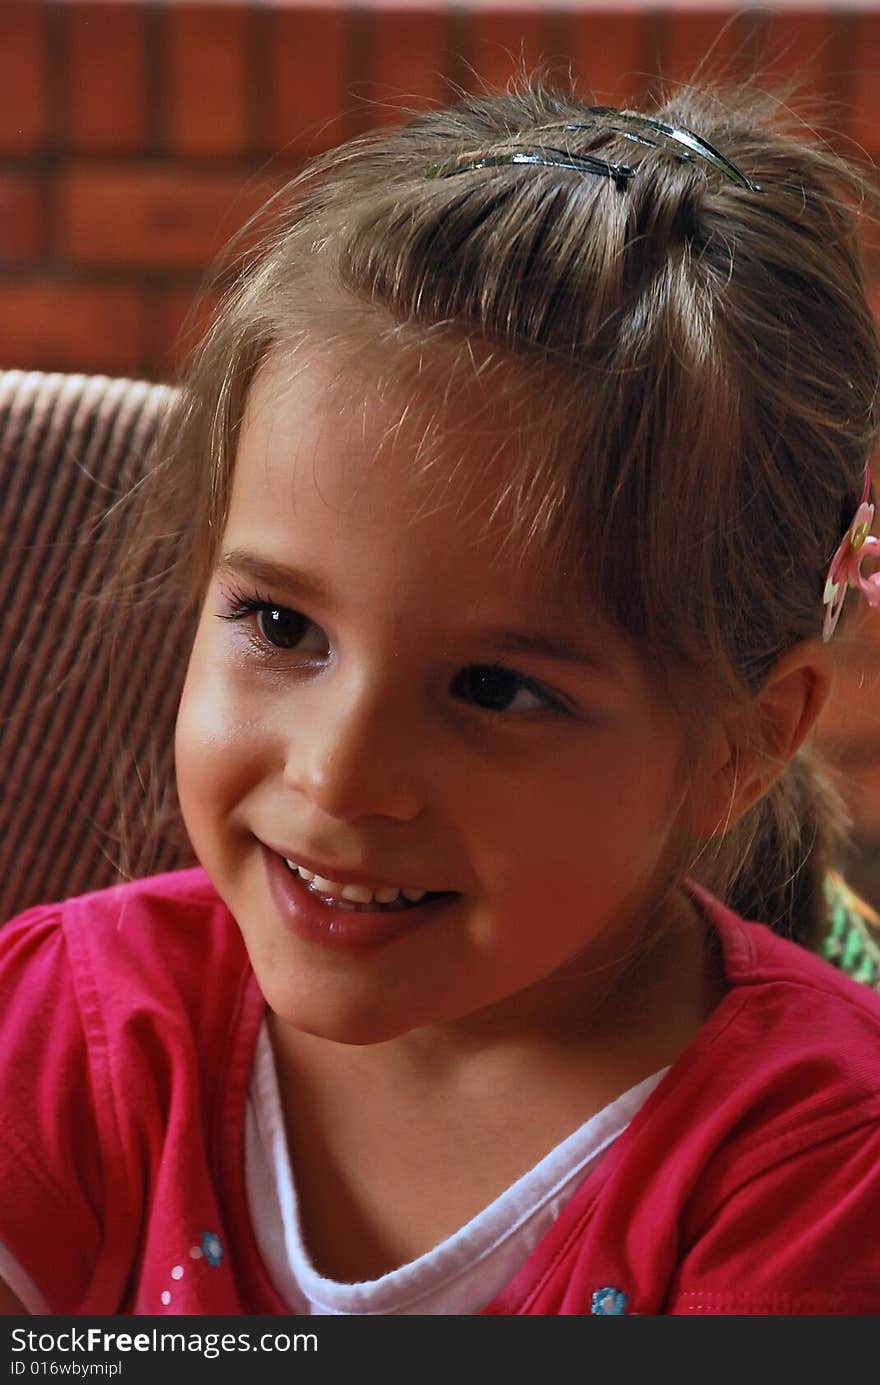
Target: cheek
{"type": "Point", "coordinates": [214, 745]}
{"type": "Point", "coordinates": [601, 815]}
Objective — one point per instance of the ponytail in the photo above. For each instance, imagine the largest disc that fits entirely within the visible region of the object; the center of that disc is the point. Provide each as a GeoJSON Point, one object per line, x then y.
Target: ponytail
{"type": "Point", "coordinates": [773, 866]}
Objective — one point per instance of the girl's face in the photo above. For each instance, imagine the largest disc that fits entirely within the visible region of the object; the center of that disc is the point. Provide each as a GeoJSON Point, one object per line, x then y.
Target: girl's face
{"type": "Point", "coordinates": [374, 695]}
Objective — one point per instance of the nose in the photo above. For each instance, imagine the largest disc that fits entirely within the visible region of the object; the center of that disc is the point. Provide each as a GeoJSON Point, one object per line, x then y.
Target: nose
{"type": "Point", "coordinates": [355, 752]}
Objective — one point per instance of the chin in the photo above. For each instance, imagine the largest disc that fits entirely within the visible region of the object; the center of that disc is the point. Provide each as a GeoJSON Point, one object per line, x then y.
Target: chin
{"type": "Point", "coordinates": [356, 1025]}
{"type": "Point", "coordinates": [353, 1032]}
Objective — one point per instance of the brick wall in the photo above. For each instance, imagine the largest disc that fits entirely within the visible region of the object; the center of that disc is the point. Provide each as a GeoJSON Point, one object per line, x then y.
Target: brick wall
{"type": "Point", "coordinates": [135, 137]}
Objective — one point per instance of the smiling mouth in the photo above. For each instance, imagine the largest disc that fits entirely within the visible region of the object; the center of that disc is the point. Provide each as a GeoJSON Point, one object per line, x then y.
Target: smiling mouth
{"type": "Point", "coordinates": [374, 906]}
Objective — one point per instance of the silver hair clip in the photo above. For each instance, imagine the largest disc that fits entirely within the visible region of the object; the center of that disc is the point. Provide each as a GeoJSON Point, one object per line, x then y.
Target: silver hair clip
{"type": "Point", "coordinates": [692, 144]}
{"type": "Point", "coordinates": [548, 158]}
{"type": "Point", "coordinates": [691, 147]}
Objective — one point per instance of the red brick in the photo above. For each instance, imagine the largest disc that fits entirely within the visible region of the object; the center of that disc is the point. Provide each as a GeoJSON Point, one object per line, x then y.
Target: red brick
{"type": "Point", "coordinates": [152, 217]}
{"type": "Point", "coordinates": [504, 42]}
{"type": "Point", "coordinates": [864, 78]}
{"type": "Point", "coordinates": [696, 44]}
{"type": "Point", "coordinates": [310, 102]}
{"type": "Point", "coordinates": [207, 90]}
{"type": "Point", "coordinates": [176, 319]}
{"type": "Point", "coordinates": [106, 74]}
{"type": "Point", "coordinates": [410, 56]}
{"type": "Point", "coordinates": [21, 218]}
{"type": "Point", "coordinates": [23, 95]}
{"type": "Point", "coordinates": [799, 45]}
{"type": "Point", "coordinates": [48, 325]}
{"type": "Point", "coordinates": [608, 55]}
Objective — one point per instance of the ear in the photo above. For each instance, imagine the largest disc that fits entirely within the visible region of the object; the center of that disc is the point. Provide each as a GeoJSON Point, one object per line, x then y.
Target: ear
{"type": "Point", "coordinates": [752, 746]}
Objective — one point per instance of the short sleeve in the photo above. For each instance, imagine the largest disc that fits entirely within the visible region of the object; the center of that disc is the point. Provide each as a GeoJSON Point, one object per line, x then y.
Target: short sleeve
{"type": "Point", "coordinates": [799, 1236]}
{"type": "Point", "coordinates": [51, 1186]}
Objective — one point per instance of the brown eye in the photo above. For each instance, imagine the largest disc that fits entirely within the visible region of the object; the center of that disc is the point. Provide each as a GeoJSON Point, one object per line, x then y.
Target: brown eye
{"type": "Point", "coordinates": [495, 688]}
{"type": "Point", "coordinates": [282, 627]}
{"type": "Point", "coordinates": [269, 623]}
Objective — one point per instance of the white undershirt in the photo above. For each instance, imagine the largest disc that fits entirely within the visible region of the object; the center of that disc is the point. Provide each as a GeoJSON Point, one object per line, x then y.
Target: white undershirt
{"type": "Point", "coordinates": [459, 1276]}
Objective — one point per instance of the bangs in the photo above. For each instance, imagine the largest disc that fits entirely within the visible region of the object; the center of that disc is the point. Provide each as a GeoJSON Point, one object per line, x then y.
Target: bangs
{"type": "Point", "coordinates": [602, 492]}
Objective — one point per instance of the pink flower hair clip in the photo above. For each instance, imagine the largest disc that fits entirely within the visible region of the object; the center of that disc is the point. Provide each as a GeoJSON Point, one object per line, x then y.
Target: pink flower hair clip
{"type": "Point", "coordinates": [846, 565]}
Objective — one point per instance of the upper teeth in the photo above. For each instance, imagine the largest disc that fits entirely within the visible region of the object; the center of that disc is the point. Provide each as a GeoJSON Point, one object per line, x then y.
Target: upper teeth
{"type": "Point", "coordinates": [357, 894]}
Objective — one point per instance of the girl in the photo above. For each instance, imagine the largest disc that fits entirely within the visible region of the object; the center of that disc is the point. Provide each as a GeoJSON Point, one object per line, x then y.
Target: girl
{"type": "Point", "coordinates": [520, 482]}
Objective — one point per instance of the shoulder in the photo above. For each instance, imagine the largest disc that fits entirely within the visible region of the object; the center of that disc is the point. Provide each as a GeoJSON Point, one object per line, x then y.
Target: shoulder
{"type": "Point", "coordinates": [155, 897]}
{"type": "Point", "coordinates": [782, 1110]}
{"type": "Point", "coordinates": [126, 1018]}
{"type": "Point", "coordinates": [777, 983]}
{"type": "Point", "coordinates": [782, 1076]}
{"type": "Point", "coordinates": [134, 968]}
{"type": "Point", "coordinates": [788, 1061]}
{"type": "Point", "coordinates": [162, 930]}
{"type": "Point", "coordinates": [749, 1181]}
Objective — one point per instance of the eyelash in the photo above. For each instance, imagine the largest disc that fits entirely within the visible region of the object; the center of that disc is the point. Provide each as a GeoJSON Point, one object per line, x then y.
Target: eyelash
{"type": "Point", "coordinates": [242, 605]}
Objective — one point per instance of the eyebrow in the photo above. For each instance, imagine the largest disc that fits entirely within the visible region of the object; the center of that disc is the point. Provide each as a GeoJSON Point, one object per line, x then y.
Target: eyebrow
{"type": "Point", "coordinates": [553, 647]}
{"type": "Point", "coordinates": [273, 574]}
{"type": "Point", "coordinates": [506, 641]}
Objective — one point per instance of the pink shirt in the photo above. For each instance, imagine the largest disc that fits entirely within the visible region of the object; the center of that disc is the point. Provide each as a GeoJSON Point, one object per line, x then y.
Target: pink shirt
{"type": "Point", "coordinates": [749, 1181]}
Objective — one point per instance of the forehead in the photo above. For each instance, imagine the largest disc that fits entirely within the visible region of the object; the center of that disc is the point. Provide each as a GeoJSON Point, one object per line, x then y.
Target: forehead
{"type": "Point", "coordinates": [407, 503]}
{"type": "Point", "coordinates": [438, 465]}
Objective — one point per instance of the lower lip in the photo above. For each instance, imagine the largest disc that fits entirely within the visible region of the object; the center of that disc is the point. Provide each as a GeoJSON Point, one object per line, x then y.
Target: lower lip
{"type": "Point", "coordinates": [346, 930]}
